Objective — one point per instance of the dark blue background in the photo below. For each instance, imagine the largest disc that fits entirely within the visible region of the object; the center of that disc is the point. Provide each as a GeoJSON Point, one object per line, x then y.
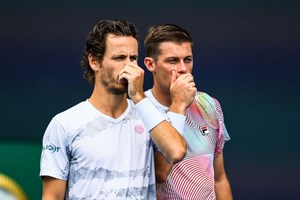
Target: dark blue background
{"type": "Point", "coordinates": [246, 54]}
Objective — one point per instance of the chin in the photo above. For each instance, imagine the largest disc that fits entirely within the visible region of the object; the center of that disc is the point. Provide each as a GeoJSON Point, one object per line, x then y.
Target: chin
{"type": "Point", "coordinates": [118, 91]}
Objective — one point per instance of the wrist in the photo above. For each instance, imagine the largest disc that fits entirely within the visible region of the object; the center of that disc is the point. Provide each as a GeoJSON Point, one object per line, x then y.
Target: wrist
{"type": "Point", "coordinates": [137, 98]}
{"type": "Point", "coordinates": [143, 108]}
{"type": "Point", "coordinates": [177, 121]}
{"type": "Point", "coordinates": [177, 109]}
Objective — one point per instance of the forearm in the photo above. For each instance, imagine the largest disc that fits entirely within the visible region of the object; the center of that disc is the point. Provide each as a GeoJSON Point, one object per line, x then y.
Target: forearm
{"type": "Point", "coordinates": [169, 141]}
{"type": "Point", "coordinates": [53, 189]}
{"type": "Point", "coordinates": [52, 197]}
{"type": "Point", "coordinates": [162, 168]}
{"type": "Point", "coordinates": [223, 190]}
{"type": "Point", "coordinates": [164, 135]}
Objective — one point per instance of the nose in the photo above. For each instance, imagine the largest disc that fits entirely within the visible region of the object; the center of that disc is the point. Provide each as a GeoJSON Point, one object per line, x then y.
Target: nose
{"type": "Point", "coordinates": [127, 60]}
{"type": "Point", "coordinates": [182, 68]}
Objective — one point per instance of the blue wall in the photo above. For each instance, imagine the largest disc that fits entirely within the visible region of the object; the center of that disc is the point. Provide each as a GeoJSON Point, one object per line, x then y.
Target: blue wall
{"type": "Point", "coordinates": [246, 55]}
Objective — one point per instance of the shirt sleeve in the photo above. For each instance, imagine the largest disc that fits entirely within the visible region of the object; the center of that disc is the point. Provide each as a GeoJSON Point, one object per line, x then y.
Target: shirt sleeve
{"type": "Point", "coordinates": [54, 158]}
{"type": "Point", "coordinates": [223, 135]}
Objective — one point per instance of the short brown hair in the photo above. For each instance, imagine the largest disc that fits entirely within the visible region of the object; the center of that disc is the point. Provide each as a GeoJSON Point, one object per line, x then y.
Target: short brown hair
{"type": "Point", "coordinates": [164, 33]}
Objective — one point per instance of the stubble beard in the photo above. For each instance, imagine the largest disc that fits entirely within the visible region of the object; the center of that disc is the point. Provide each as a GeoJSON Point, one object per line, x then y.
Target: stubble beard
{"type": "Point", "coordinates": [111, 85]}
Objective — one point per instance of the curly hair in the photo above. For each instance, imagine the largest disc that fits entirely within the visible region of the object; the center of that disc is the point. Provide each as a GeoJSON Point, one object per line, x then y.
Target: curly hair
{"type": "Point", "coordinates": [96, 42]}
{"type": "Point", "coordinates": [164, 33]}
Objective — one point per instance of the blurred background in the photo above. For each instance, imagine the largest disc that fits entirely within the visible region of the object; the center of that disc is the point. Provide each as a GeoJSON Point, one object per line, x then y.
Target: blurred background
{"type": "Point", "coordinates": [246, 54]}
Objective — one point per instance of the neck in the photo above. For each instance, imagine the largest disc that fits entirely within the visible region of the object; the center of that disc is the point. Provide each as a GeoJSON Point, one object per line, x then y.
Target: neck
{"type": "Point", "coordinates": [163, 97]}
{"type": "Point", "coordinates": [107, 103]}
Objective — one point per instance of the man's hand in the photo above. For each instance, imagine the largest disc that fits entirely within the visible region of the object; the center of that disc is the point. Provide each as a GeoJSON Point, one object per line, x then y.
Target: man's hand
{"type": "Point", "coordinates": [135, 77]}
{"type": "Point", "coordinates": [183, 91]}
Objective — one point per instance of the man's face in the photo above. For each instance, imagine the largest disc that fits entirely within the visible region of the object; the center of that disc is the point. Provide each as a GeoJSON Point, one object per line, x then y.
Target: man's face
{"type": "Point", "coordinates": [120, 50]}
{"type": "Point", "coordinates": [173, 56]}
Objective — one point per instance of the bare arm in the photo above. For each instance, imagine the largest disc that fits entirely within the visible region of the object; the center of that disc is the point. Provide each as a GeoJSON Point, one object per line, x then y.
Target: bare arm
{"type": "Point", "coordinates": [164, 135]}
{"type": "Point", "coordinates": [169, 141]}
{"type": "Point", "coordinates": [182, 94]}
{"type": "Point", "coordinates": [222, 186]}
{"type": "Point", "coordinates": [162, 168]}
{"type": "Point", "coordinates": [53, 189]}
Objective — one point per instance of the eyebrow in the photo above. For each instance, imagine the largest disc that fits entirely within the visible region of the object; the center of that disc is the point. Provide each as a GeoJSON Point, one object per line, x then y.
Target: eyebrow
{"type": "Point", "coordinates": [121, 55]}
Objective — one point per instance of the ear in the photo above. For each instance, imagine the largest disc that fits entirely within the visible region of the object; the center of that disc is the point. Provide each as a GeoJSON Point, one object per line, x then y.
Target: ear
{"type": "Point", "coordinates": [150, 64]}
{"type": "Point", "coordinates": [93, 63]}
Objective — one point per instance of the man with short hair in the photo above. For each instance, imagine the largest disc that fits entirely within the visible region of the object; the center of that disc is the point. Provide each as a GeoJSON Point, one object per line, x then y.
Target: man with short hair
{"type": "Point", "coordinates": [201, 174]}
{"type": "Point", "coordinates": [102, 148]}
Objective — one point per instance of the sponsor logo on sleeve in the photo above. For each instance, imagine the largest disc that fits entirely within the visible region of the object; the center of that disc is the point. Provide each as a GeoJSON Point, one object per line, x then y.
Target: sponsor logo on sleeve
{"type": "Point", "coordinates": [51, 147]}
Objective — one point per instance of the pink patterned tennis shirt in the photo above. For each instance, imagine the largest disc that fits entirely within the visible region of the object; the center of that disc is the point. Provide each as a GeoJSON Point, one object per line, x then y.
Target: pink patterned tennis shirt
{"type": "Point", "coordinates": [205, 134]}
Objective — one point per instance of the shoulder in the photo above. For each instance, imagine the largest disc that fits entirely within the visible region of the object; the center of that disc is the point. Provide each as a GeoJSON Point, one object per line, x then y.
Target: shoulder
{"type": "Point", "coordinates": [208, 104]}
{"type": "Point", "coordinates": [75, 116]}
{"type": "Point", "coordinates": [72, 112]}
{"type": "Point", "coordinates": [205, 100]}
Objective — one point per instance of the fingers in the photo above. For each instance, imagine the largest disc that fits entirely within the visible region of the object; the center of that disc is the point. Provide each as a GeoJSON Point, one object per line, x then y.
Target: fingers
{"type": "Point", "coordinates": [129, 71]}
{"type": "Point", "coordinates": [185, 84]}
{"type": "Point", "coordinates": [183, 92]}
{"type": "Point", "coordinates": [187, 77]}
{"type": "Point", "coordinates": [135, 78]}
{"type": "Point", "coordinates": [133, 74]}
{"type": "Point", "coordinates": [186, 80]}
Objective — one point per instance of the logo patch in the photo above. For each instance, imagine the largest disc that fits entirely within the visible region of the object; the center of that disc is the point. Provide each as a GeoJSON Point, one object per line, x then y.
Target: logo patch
{"type": "Point", "coordinates": [139, 129]}
{"type": "Point", "coordinates": [51, 147]}
{"type": "Point", "coordinates": [204, 130]}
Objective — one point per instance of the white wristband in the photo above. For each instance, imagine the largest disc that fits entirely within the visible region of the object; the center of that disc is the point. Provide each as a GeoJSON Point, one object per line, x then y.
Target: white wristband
{"type": "Point", "coordinates": [177, 121]}
{"type": "Point", "coordinates": [149, 114]}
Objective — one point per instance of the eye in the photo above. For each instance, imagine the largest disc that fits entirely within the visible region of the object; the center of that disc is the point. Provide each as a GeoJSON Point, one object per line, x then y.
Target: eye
{"type": "Point", "coordinates": [188, 60]}
{"type": "Point", "coordinates": [172, 60]}
{"type": "Point", "coordinates": [119, 57]}
{"type": "Point", "coordinates": [133, 58]}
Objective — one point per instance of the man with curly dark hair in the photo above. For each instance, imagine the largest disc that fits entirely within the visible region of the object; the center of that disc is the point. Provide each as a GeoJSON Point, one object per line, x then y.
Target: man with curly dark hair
{"type": "Point", "coordinates": [102, 148]}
